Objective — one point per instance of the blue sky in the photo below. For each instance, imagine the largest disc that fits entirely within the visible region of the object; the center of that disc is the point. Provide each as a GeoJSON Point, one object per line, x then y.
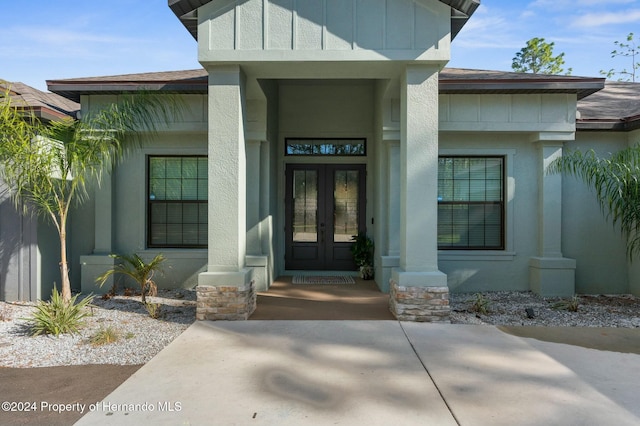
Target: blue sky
{"type": "Point", "coordinates": [52, 39]}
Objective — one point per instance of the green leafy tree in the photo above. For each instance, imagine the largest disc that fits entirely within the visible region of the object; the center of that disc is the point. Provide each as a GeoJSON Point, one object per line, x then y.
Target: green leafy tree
{"type": "Point", "coordinates": [134, 267]}
{"type": "Point", "coordinates": [537, 58]}
{"type": "Point", "coordinates": [629, 50]}
{"type": "Point", "coordinates": [49, 167]}
{"type": "Point", "coordinates": [616, 181]}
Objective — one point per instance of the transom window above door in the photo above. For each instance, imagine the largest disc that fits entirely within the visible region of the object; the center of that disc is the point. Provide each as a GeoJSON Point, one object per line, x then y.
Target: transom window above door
{"type": "Point", "coordinates": [326, 147]}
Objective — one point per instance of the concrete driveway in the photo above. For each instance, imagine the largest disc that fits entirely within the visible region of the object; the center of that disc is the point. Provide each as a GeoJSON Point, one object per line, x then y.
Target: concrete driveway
{"type": "Point", "coordinates": [373, 373]}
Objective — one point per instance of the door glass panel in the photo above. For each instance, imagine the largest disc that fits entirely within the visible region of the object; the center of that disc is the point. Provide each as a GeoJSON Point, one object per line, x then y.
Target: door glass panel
{"type": "Point", "coordinates": [345, 205]}
{"type": "Point", "coordinates": [305, 206]}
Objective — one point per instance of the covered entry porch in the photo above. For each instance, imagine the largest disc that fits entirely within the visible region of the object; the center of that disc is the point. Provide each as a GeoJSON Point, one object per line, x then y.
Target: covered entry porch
{"type": "Point", "coordinates": [286, 301]}
{"type": "Point", "coordinates": [255, 232]}
{"type": "Point", "coordinates": [282, 70]}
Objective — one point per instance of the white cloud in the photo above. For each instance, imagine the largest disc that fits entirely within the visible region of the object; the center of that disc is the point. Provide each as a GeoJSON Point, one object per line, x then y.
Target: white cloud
{"type": "Point", "coordinates": [56, 43]}
{"type": "Point", "coordinates": [488, 28]}
{"type": "Point", "coordinates": [58, 36]}
{"type": "Point", "coordinates": [608, 18]}
{"type": "Point", "coordinates": [564, 4]}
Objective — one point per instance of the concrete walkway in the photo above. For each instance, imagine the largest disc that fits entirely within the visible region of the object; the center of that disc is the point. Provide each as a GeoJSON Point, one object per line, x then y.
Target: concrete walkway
{"type": "Point", "coordinates": [373, 373]}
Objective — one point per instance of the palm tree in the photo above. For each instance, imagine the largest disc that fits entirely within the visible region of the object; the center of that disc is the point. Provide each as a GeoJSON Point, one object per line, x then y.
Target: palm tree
{"type": "Point", "coordinates": [616, 181]}
{"type": "Point", "coordinates": [48, 168]}
{"type": "Point", "coordinates": [136, 268]}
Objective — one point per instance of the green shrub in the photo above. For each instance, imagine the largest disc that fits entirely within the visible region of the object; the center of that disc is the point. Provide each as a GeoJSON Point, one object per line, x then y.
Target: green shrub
{"type": "Point", "coordinates": [570, 305]}
{"type": "Point", "coordinates": [57, 317]}
{"type": "Point", "coordinates": [104, 336]}
{"type": "Point", "coordinates": [481, 304]}
{"type": "Point", "coordinates": [153, 309]}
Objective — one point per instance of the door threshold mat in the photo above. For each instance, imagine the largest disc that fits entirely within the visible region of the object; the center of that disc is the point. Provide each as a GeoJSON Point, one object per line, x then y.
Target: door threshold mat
{"type": "Point", "coordinates": [334, 279]}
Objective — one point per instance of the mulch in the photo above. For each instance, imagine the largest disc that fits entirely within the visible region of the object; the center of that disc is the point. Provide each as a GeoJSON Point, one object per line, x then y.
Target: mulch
{"type": "Point", "coordinates": [35, 394]}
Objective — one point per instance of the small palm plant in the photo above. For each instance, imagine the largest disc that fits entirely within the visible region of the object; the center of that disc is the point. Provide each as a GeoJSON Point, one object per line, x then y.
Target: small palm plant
{"type": "Point", "coordinates": [136, 268]}
{"type": "Point", "coordinates": [58, 317]}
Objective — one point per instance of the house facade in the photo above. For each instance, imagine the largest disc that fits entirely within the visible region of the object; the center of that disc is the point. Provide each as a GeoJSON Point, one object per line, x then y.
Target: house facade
{"type": "Point", "coordinates": [313, 120]}
{"type": "Point", "coordinates": [28, 246]}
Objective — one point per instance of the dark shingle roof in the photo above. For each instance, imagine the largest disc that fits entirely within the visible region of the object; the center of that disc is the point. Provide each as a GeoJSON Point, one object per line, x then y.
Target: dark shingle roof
{"type": "Point", "coordinates": [452, 80]}
{"type": "Point", "coordinates": [616, 107]}
{"type": "Point", "coordinates": [461, 80]}
{"type": "Point", "coordinates": [189, 81]}
{"type": "Point", "coordinates": [610, 106]}
{"type": "Point", "coordinates": [46, 106]}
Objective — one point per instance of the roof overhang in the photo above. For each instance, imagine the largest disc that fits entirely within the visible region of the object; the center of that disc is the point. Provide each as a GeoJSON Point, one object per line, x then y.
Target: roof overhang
{"type": "Point", "coordinates": [452, 81]}
{"type": "Point", "coordinates": [581, 88]}
{"type": "Point", "coordinates": [187, 12]}
{"type": "Point", "coordinates": [45, 114]}
{"type": "Point", "coordinates": [185, 82]}
{"type": "Point", "coordinates": [594, 125]}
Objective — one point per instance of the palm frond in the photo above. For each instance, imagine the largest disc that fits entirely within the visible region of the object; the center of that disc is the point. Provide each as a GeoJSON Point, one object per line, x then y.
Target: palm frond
{"type": "Point", "coordinates": [616, 182]}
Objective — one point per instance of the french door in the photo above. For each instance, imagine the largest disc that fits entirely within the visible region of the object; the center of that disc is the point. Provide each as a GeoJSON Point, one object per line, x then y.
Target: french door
{"type": "Point", "coordinates": [324, 208]}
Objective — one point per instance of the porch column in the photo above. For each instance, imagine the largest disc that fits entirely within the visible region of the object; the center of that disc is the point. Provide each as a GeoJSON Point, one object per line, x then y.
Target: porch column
{"type": "Point", "coordinates": [97, 263]}
{"type": "Point", "coordinates": [419, 290]}
{"type": "Point", "coordinates": [550, 274]}
{"type": "Point", "coordinates": [255, 258]}
{"type": "Point", "coordinates": [226, 291]}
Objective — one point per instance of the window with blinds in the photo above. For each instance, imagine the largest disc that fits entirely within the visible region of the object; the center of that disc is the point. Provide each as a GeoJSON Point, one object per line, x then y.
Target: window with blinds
{"type": "Point", "coordinates": [177, 201]}
{"type": "Point", "coordinates": [471, 203]}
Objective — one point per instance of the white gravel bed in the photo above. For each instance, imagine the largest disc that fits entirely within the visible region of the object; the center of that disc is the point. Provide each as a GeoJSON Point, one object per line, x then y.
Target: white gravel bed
{"type": "Point", "coordinates": [142, 337]}
{"type": "Point", "coordinates": [510, 309]}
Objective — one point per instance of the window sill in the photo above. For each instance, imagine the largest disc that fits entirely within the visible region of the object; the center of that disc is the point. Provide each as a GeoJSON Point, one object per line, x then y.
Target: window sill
{"type": "Point", "coordinates": [476, 255]}
{"type": "Point", "coordinates": [177, 253]}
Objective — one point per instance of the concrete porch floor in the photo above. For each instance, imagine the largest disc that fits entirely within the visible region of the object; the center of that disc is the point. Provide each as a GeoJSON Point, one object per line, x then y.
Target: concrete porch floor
{"type": "Point", "coordinates": [286, 301]}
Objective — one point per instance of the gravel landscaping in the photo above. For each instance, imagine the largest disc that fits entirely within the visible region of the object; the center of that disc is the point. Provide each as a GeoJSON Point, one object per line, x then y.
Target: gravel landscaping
{"type": "Point", "coordinates": [140, 337]}
{"type": "Point", "coordinates": [528, 309]}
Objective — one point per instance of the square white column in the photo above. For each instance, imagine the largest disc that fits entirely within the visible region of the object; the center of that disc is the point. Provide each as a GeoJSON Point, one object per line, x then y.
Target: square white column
{"type": "Point", "coordinates": [97, 263]}
{"type": "Point", "coordinates": [418, 290]}
{"type": "Point", "coordinates": [419, 179]}
{"type": "Point", "coordinates": [227, 170]}
{"type": "Point", "coordinates": [226, 290]}
{"type": "Point", "coordinates": [550, 274]}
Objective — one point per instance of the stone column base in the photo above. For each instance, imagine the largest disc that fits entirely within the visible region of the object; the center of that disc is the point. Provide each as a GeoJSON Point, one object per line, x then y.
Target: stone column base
{"type": "Point", "coordinates": [419, 304]}
{"type": "Point", "coordinates": [225, 302]}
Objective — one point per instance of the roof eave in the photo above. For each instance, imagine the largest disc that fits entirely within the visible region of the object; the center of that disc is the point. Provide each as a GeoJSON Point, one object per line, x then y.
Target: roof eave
{"type": "Point", "coordinates": [46, 114]}
{"type": "Point", "coordinates": [581, 88]}
{"type": "Point", "coordinates": [73, 91]}
{"type": "Point", "coordinates": [626, 125]}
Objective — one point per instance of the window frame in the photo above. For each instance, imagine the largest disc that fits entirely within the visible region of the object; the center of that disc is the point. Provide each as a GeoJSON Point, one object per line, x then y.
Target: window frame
{"type": "Point", "coordinates": [502, 247]}
{"type": "Point", "coordinates": [325, 141]}
{"type": "Point", "coordinates": [149, 202]}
